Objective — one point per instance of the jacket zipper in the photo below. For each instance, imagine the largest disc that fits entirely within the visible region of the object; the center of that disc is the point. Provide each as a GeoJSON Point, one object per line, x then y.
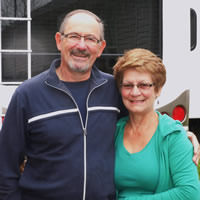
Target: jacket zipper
{"type": "Point", "coordinates": [84, 130]}
{"type": "Point", "coordinates": [85, 145]}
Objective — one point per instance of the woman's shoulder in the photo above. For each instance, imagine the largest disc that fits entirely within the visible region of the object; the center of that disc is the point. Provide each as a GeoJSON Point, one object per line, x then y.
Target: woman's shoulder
{"type": "Point", "coordinates": [122, 121]}
{"type": "Point", "coordinates": [120, 127]}
{"type": "Point", "coordinates": [173, 131]}
{"type": "Point", "coordinates": [167, 125]}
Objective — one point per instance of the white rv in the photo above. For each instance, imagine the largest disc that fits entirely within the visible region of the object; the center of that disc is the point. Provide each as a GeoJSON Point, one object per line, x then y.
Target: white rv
{"type": "Point", "coordinates": [169, 28]}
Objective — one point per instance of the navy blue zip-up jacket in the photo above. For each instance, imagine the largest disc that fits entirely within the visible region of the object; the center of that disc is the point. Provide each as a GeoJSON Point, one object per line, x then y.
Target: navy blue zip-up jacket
{"type": "Point", "coordinates": [66, 160]}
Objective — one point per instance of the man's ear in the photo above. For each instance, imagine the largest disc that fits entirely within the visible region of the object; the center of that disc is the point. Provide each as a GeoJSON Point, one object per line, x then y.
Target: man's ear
{"type": "Point", "coordinates": [102, 47]}
{"type": "Point", "coordinates": [58, 40]}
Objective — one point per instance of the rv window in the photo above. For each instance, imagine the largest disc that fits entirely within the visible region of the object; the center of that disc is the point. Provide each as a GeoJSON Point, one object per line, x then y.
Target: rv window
{"type": "Point", "coordinates": [193, 29]}
{"type": "Point", "coordinates": [128, 24]}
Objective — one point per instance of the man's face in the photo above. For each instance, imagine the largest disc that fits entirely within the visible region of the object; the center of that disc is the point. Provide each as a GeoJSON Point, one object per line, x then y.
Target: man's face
{"type": "Point", "coordinates": [78, 53]}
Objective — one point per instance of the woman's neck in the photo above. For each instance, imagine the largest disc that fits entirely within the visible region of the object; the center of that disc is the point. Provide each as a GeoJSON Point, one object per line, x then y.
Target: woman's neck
{"type": "Point", "coordinates": [142, 124]}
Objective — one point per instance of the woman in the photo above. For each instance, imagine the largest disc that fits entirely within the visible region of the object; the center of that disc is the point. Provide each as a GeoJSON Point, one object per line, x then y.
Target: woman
{"type": "Point", "coordinates": [153, 153]}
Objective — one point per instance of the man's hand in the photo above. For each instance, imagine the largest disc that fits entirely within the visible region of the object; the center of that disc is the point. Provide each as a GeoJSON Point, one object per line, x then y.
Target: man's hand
{"type": "Point", "coordinates": [196, 145]}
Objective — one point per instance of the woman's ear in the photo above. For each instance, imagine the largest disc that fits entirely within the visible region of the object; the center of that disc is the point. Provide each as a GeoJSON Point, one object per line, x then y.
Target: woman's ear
{"type": "Point", "coordinates": [158, 93]}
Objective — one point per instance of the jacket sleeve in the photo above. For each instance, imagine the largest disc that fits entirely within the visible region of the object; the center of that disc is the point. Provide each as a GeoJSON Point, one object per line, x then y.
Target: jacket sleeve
{"type": "Point", "coordinates": [12, 145]}
{"type": "Point", "coordinates": [184, 175]}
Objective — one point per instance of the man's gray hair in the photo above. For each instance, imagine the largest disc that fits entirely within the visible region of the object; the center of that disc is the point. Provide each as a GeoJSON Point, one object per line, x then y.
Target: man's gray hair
{"type": "Point", "coordinates": [66, 18]}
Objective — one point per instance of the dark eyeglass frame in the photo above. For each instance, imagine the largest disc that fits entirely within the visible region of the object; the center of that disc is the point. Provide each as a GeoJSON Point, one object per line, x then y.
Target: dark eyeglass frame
{"type": "Point", "coordinates": [140, 86]}
{"type": "Point", "coordinates": [77, 37]}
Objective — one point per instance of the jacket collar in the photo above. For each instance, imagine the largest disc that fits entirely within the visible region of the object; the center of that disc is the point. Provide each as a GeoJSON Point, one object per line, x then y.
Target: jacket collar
{"type": "Point", "coordinates": [53, 80]}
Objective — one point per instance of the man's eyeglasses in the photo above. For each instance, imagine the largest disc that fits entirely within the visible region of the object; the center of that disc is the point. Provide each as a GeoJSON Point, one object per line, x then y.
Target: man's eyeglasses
{"type": "Point", "coordinates": [75, 38]}
{"type": "Point", "coordinates": [140, 86]}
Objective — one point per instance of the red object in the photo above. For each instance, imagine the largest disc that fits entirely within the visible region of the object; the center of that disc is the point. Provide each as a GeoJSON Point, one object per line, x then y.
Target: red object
{"type": "Point", "coordinates": [178, 113]}
{"type": "Point", "coordinates": [2, 118]}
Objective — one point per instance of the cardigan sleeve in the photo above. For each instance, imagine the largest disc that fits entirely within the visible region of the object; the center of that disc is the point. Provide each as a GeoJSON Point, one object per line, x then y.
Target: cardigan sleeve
{"type": "Point", "coordinates": [12, 143]}
{"type": "Point", "coordinates": [184, 175]}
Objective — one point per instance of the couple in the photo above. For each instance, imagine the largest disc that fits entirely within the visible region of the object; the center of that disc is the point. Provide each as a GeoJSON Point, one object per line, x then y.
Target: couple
{"type": "Point", "coordinates": [67, 133]}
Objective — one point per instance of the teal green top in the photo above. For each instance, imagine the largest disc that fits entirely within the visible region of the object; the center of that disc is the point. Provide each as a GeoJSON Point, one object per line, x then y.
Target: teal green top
{"type": "Point", "coordinates": [132, 175]}
{"type": "Point", "coordinates": [163, 170]}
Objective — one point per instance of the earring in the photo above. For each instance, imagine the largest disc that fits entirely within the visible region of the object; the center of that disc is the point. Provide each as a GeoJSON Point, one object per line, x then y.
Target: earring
{"type": "Point", "coordinates": [157, 100]}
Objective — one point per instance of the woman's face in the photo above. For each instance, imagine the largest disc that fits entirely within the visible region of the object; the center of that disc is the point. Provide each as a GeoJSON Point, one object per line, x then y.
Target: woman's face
{"type": "Point", "coordinates": [138, 91]}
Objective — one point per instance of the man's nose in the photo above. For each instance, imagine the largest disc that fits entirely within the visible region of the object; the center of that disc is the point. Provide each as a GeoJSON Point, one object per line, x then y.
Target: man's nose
{"type": "Point", "coordinates": [81, 44]}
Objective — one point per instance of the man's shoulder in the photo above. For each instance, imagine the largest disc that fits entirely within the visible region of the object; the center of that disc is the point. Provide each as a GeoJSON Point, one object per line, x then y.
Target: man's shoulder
{"type": "Point", "coordinates": [40, 78]}
{"type": "Point", "coordinates": [102, 73]}
{"type": "Point", "coordinates": [107, 75]}
{"type": "Point", "coordinates": [34, 82]}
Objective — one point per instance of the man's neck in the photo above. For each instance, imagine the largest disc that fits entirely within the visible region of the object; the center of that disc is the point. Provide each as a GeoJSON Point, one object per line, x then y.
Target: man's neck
{"type": "Point", "coordinates": [71, 76]}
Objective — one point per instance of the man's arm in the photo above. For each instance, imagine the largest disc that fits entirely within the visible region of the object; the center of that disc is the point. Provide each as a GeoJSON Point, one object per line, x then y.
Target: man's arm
{"type": "Point", "coordinates": [12, 143]}
{"type": "Point", "coordinates": [196, 146]}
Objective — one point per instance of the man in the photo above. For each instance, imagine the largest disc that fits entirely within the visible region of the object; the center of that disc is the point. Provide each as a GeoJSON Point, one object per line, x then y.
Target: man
{"type": "Point", "coordinates": [63, 121]}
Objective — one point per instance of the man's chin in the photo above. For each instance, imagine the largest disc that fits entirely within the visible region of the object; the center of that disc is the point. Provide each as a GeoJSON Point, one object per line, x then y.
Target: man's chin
{"type": "Point", "coordinates": [80, 69]}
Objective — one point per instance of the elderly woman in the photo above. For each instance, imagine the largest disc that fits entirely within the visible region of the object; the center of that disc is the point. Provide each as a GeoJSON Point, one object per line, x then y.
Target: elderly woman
{"type": "Point", "coordinates": [153, 153]}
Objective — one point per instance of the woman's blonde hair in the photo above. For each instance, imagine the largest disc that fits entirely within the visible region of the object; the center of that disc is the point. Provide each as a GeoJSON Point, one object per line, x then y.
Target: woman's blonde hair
{"type": "Point", "coordinates": [141, 60]}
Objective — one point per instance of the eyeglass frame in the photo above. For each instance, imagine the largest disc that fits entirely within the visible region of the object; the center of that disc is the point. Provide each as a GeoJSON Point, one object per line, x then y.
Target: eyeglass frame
{"type": "Point", "coordinates": [97, 41]}
{"type": "Point", "coordinates": [130, 86]}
